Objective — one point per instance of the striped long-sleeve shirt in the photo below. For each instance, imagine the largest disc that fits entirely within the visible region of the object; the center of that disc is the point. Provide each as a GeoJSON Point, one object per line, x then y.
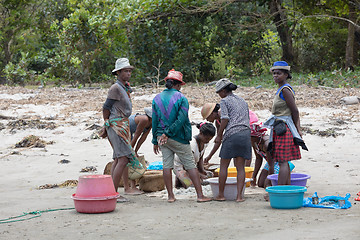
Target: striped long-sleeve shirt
{"type": "Point", "coordinates": [170, 116]}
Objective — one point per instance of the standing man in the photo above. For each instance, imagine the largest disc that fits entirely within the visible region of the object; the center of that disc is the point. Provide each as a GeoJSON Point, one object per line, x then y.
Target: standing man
{"type": "Point", "coordinates": [172, 131]}
{"type": "Point", "coordinates": [116, 112]}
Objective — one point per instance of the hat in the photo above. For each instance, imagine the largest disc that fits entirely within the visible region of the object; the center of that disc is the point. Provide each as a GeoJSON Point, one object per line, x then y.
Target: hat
{"type": "Point", "coordinates": [207, 109]}
{"type": "Point", "coordinates": [148, 111]}
{"type": "Point", "coordinates": [280, 65]}
{"type": "Point", "coordinates": [222, 83]}
{"type": "Point", "coordinates": [121, 63]}
{"type": "Point", "coordinates": [175, 75]}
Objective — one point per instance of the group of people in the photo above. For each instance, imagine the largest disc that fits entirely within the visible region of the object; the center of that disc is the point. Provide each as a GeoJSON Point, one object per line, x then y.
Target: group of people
{"type": "Point", "coordinates": [237, 132]}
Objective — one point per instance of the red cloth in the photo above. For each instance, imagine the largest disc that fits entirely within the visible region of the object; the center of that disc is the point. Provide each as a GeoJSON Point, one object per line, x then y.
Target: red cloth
{"type": "Point", "coordinates": [284, 148]}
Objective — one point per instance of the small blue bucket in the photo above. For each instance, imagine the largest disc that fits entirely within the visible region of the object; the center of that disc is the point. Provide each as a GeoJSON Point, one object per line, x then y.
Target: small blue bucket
{"type": "Point", "coordinates": [286, 196]}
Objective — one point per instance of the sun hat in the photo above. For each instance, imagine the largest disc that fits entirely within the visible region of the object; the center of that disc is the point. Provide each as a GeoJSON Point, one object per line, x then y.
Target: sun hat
{"type": "Point", "coordinates": [121, 63]}
{"type": "Point", "coordinates": [175, 75]}
{"type": "Point", "coordinates": [207, 109]}
{"type": "Point", "coordinates": [222, 83]}
{"type": "Point", "coordinates": [280, 65]}
{"type": "Point", "coordinates": [148, 111]}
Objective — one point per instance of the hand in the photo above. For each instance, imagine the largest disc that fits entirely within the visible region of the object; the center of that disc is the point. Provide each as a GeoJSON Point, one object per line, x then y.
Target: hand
{"type": "Point", "coordinates": [103, 133]}
{"type": "Point", "coordinates": [218, 139]}
{"type": "Point", "coordinates": [207, 159]}
{"type": "Point", "coordinates": [163, 139]}
{"type": "Point", "coordinates": [156, 149]}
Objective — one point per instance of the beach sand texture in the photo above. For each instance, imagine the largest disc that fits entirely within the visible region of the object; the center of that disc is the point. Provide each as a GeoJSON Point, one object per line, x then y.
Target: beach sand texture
{"type": "Point", "coordinates": [66, 120]}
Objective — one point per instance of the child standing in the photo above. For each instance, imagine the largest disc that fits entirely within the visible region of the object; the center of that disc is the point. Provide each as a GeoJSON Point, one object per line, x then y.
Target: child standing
{"type": "Point", "coordinates": [236, 141]}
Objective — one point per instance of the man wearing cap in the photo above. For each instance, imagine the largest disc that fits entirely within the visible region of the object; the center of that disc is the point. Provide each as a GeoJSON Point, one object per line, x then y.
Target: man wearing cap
{"type": "Point", "coordinates": [172, 133]}
{"type": "Point", "coordinates": [116, 112]}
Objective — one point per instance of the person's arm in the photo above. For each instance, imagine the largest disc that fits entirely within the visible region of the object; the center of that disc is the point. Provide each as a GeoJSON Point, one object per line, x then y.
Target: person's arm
{"type": "Point", "coordinates": [224, 121]}
{"type": "Point", "coordinates": [212, 152]}
{"type": "Point", "coordinates": [220, 133]}
{"type": "Point", "coordinates": [290, 102]}
{"type": "Point", "coordinates": [155, 122]}
{"type": "Point", "coordinates": [215, 147]}
{"type": "Point", "coordinates": [142, 122]}
{"type": "Point", "coordinates": [200, 166]}
{"type": "Point", "coordinates": [142, 140]}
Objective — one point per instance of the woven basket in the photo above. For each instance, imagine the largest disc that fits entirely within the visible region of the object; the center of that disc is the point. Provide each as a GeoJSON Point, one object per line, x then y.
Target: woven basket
{"type": "Point", "coordinates": [152, 181]}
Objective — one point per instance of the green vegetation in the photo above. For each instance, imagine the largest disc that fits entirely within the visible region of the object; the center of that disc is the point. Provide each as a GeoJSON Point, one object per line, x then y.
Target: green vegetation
{"type": "Point", "coordinates": [76, 42]}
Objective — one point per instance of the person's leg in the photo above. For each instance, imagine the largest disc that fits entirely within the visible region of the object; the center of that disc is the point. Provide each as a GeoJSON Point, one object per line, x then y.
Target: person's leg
{"type": "Point", "coordinates": [283, 173]}
{"type": "Point", "coordinates": [258, 163]}
{"type": "Point", "coordinates": [262, 177]}
{"type": "Point", "coordinates": [118, 167]}
{"type": "Point", "coordinates": [247, 162]}
{"type": "Point", "coordinates": [168, 184]}
{"type": "Point", "coordinates": [125, 178]}
{"type": "Point", "coordinates": [224, 164]}
{"type": "Point", "coordinates": [289, 176]}
{"type": "Point", "coordinates": [168, 165]}
{"type": "Point", "coordinates": [239, 163]}
{"type": "Point", "coordinates": [195, 178]}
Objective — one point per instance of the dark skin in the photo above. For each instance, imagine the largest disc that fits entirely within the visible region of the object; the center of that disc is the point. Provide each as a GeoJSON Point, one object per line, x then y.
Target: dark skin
{"type": "Point", "coordinates": [239, 162]}
{"type": "Point", "coordinates": [211, 118]}
{"type": "Point", "coordinates": [167, 172]}
{"type": "Point", "coordinates": [280, 77]}
{"type": "Point", "coordinates": [119, 164]}
{"type": "Point", "coordinates": [142, 122]}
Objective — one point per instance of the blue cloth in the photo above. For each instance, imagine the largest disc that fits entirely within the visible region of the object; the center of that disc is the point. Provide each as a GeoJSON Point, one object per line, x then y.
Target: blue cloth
{"type": "Point", "coordinates": [277, 167]}
{"type": "Point", "coordinates": [158, 165]}
{"type": "Point", "coordinates": [281, 95]}
{"type": "Point", "coordinates": [170, 116]}
{"type": "Point", "coordinates": [328, 202]}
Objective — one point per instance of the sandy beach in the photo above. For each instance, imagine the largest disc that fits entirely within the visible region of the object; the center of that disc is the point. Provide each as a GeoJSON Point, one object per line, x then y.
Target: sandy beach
{"type": "Point", "coordinates": [66, 119]}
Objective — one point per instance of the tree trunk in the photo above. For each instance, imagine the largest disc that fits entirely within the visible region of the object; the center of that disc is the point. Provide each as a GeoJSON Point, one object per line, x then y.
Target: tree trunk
{"type": "Point", "coordinates": [284, 32]}
{"type": "Point", "coordinates": [349, 55]}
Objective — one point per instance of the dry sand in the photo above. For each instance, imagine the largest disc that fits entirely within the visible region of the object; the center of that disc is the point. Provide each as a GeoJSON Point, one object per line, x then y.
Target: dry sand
{"type": "Point", "coordinates": [63, 115]}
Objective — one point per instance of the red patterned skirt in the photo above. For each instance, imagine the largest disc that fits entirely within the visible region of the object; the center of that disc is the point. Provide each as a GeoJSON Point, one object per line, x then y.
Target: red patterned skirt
{"type": "Point", "coordinates": [284, 148]}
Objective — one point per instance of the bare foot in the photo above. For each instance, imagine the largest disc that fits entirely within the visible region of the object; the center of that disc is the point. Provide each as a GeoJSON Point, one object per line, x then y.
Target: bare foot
{"type": "Point", "coordinates": [266, 197]}
{"type": "Point", "coordinates": [171, 200]}
{"type": "Point", "coordinates": [240, 200]}
{"type": "Point", "coordinates": [133, 191]}
{"type": "Point", "coordinates": [204, 199]}
{"type": "Point", "coordinates": [221, 199]}
{"type": "Point", "coordinates": [121, 199]}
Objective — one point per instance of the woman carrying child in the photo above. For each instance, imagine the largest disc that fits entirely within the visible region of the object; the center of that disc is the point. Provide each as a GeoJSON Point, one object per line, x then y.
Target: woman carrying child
{"type": "Point", "coordinates": [198, 146]}
{"type": "Point", "coordinates": [236, 141]}
{"type": "Point", "coordinates": [285, 136]}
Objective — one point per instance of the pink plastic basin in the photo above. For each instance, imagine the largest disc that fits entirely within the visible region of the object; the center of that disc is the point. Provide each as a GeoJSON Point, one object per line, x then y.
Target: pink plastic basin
{"type": "Point", "coordinates": [95, 205]}
{"type": "Point", "coordinates": [95, 186]}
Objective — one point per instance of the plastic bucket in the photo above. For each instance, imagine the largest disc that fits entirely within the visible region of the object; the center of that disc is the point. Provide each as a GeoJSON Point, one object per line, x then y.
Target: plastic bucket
{"type": "Point", "coordinates": [232, 172]}
{"type": "Point", "coordinates": [230, 191]}
{"type": "Point", "coordinates": [95, 205]}
{"type": "Point", "coordinates": [95, 186]}
{"type": "Point", "coordinates": [286, 196]}
{"type": "Point", "coordinates": [297, 179]}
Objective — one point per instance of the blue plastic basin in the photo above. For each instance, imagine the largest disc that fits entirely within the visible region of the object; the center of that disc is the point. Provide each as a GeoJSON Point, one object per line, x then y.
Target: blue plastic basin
{"type": "Point", "coordinates": [286, 196]}
{"type": "Point", "coordinates": [298, 179]}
